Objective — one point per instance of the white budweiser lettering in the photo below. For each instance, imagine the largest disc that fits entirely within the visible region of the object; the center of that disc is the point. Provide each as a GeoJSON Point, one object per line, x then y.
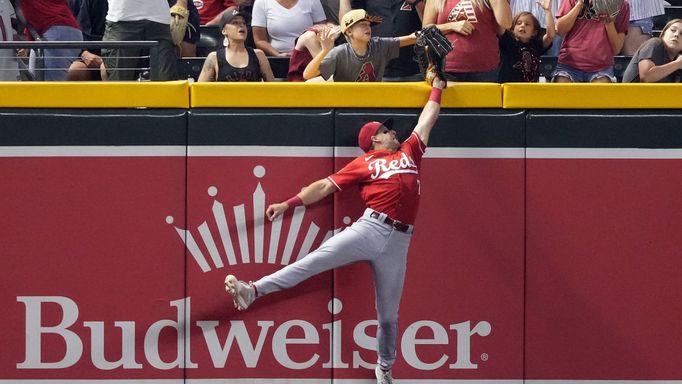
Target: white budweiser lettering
{"type": "Point", "coordinates": [381, 168]}
{"type": "Point", "coordinates": [240, 335]}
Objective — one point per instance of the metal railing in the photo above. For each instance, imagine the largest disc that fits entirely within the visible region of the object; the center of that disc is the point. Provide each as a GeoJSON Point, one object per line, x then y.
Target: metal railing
{"type": "Point", "coordinates": [38, 47]}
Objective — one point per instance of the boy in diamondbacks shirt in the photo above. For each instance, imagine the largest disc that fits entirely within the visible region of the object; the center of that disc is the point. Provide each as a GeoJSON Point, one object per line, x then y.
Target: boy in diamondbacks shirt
{"type": "Point", "coordinates": [363, 58]}
{"type": "Point", "coordinates": [388, 178]}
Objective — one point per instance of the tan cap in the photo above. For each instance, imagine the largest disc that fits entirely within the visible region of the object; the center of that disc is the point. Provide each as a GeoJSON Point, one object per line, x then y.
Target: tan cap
{"type": "Point", "coordinates": [354, 16]}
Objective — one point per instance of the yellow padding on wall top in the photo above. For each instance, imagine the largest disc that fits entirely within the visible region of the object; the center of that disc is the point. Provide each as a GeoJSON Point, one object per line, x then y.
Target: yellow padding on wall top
{"type": "Point", "coordinates": [592, 96]}
{"type": "Point", "coordinates": [340, 95]}
{"type": "Point", "coordinates": [171, 94]}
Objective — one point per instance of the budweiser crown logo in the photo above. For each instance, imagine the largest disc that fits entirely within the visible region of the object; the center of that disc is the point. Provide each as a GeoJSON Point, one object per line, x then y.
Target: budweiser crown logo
{"type": "Point", "coordinates": [230, 248]}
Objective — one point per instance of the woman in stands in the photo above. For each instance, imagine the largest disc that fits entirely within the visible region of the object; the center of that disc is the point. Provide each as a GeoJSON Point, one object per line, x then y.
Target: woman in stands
{"type": "Point", "coordinates": [473, 27]}
{"type": "Point", "coordinates": [278, 23]}
{"type": "Point", "coordinates": [236, 61]}
{"type": "Point", "coordinates": [658, 60]}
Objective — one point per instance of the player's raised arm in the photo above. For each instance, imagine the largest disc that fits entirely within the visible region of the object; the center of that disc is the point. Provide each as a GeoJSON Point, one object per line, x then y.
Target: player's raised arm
{"type": "Point", "coordinates": [430, 112]}
{"type": "Point", "coordinates": [309, 195]}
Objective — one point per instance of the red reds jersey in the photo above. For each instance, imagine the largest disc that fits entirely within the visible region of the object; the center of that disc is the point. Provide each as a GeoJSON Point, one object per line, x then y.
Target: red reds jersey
{"type": "Point", "coordinates": [209, 9]}
{"type": "Point", "coordinates": [388, 181]}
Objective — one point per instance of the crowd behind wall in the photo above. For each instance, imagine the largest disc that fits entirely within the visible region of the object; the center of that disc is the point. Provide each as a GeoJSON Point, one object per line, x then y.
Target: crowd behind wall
{"type": "Point", "coordinates": [495, 40]}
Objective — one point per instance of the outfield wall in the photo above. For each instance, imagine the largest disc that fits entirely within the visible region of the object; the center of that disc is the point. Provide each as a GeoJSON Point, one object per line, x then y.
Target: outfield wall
{"type": "Point", "coordinates": [546, 247]}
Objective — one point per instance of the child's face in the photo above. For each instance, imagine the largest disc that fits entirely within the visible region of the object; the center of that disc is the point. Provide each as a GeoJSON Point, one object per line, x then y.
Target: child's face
{"type": "Point", "coordinates": [672, 37]}
{"type": "Point", "coordinates": [361, 31]}
{"type": "Point", "coordinates": [524, 30]}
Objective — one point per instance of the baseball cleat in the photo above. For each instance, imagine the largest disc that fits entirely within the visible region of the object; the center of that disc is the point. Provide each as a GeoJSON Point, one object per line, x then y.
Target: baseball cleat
{"type": "Point", "coordinates": [242, 294]}
{"type": "Point", "coordinates": [383, 377]}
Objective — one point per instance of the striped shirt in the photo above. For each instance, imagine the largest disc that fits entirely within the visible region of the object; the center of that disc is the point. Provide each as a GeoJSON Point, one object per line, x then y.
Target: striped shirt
{"type": "Point", "coordinates": [532, 6]}
{"type": "Point", "coordinates": [642, 9]}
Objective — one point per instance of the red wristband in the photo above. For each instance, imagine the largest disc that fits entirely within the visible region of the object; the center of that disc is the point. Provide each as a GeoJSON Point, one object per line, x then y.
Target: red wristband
{"type": "Point", "coordinates": [294, 201]}
{"type": "Point", "coordinates": [435, 95]}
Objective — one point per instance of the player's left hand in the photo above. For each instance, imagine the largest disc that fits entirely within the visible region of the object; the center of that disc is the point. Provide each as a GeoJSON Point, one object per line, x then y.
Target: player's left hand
{"type": "Point", "coordinates": [276, 210]}
{"type": "Point", "coordinates": [438, 83]}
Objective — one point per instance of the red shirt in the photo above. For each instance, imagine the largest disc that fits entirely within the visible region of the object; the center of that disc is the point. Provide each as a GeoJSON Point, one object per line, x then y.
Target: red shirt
{"type": "Point", "coordinates": [586, 47]}
{"type": "Point", "coordinates": [478, 52]}
{"type": "Point", "coordinates": [209, 9]}
{"type": "Point", "coordinates": [388, 181]}
{"type": "Point", "coordinates": [44, 14]}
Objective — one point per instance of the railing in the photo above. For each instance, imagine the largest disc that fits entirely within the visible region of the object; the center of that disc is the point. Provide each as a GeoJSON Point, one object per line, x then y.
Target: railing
{"type": "Point", "coordinates": [39, 47]}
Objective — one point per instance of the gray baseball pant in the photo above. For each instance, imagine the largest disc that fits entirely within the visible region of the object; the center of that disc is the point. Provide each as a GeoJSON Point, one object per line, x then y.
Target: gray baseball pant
{"type": "Point", "coordinates": [370, 240]}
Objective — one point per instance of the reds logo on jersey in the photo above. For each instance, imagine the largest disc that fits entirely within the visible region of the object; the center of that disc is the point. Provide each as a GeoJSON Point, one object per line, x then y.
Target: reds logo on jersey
{"type": "Point", "coordinates": [383, 169]}
{"type": "Point", "coordinates": [463, 11]}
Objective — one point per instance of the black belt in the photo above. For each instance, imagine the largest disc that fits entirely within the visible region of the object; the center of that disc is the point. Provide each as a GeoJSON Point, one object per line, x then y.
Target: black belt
{"type": "Point", "coordinates": [397, 225]}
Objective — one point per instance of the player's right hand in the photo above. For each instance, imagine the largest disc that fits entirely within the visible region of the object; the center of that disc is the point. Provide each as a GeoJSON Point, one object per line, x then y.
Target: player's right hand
{"type": "Point", "coordinates": [276, 210]}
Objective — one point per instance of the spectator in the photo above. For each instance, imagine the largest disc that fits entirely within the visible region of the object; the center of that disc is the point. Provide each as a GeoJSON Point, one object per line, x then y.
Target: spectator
{"type": "Point", "coordinates": [9, 69]}
{"type": "Point", "coordinates": [278, 23]}
{"type": "Point", "coordinates": [472, 26]}
{"type": "Point", "coordinates": [236, 62]}
{"type": "Point", "coordinates": [188, 46]}
{"type": "Point", "coordinates": [399, 17]}
{"type": "Point", "coordinates": [308, 46]}
{"type": "Point", "coordinates": [522, 46]}
{"type": "Point", "coordinates": [534, 7]}
{"type": "Point", "coordinates": [210, 11]}
{"type": "Point", "coordinates": [590, 41]}
{"type": "Point", "coordinates": [363, 58]}
{"type": "Point", "coordinates": [139, 20]}
{"type": "Point", "coordinates": [641, 27]}
{"type": "Point", "coordinates": [658, 60]}
{"type": "Point", "coordinates": [91, 16]}
{"type": "Point", "coordinates": [53, 20]}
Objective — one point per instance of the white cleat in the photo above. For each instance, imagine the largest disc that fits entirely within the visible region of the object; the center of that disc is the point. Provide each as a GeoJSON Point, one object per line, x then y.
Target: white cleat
{"type": "Point", "coordinates": [243, 294]}
{"type": "Point", "coordinates": [383, 377]}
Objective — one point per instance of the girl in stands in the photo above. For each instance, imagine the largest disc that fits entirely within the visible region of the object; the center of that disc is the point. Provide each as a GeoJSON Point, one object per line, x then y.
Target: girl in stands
{"type": "Point", "coordinates": [658, 60]}
{"type": "Point", "coordinates": [522, 46]}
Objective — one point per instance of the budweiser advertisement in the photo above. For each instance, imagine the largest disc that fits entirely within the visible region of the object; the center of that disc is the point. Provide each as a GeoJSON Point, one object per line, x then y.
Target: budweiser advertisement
{"type": "Point", "coordinates": [115, 267]}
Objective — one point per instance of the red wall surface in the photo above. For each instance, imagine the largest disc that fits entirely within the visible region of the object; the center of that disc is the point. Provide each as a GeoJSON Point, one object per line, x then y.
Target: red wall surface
{"type": "Point", "coordinates": [520, 268]}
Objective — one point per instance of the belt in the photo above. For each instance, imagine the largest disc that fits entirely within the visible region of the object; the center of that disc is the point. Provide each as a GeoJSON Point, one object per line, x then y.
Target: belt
{"type": "Point", "coordinates": [397, 225]}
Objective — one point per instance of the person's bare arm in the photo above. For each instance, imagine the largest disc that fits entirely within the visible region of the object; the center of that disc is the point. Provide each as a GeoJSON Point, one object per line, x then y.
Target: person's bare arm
{"type": "Point", "coordinates": [264, 65]}
{"type": "Point", "coordinates": [649, 72]}
{"type": "Point", "coordinates": [309, 195]}
{"type": "Point", "coordinates": [429, 114]}
{"type": "Point", "coordinates": [327, 37]}
{"type": "Point", "coordinates": [503, 16]}
{"type": "Point", "coordinates": [565, 23]}
{"type": "Point", "coordinates": [260, 37]}
{"type": "Point", "coordinates": [616, 39]}
{"type": "Point", "coordinates": [549, 20]}
{"type": "Point", "coordinates": [209, 70]}
{"type": "Point", "coordinates": [430, 16]}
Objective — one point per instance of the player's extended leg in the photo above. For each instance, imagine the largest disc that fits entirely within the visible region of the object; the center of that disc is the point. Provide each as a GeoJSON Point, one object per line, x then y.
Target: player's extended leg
{"type": "Point", "coordinates": [389, 275]}
{"type": "Point", "coordinates": [354, 244]}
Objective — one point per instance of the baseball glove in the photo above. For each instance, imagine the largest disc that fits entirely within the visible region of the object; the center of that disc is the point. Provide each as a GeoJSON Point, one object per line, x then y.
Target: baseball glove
{"type": "Point", "coordinates": [607, 10]}
{"type": "Point", "coordinates": [430, 50]}
{"type": "Point", "coordinates": [178, 26]}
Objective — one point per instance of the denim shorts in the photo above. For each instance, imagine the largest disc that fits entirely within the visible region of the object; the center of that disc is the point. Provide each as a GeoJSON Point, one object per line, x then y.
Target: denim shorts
{"type": "Point", "coordinates": [646, 25]}
{"type": "Point", "coordinates": [578, 76]}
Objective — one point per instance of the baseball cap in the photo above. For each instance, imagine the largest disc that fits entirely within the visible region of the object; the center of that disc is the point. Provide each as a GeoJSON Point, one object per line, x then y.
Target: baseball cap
{"type": "Point", "coordinates": [370, 129]}
{"type": "Point", "coordinates": [354, 16]}
{"type": "Point", "coordinates": [228, 16]}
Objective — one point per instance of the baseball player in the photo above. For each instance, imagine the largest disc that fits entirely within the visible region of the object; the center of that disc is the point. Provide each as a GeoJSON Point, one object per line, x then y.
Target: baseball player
{"type": "Point", "coordinates": [388, 179]}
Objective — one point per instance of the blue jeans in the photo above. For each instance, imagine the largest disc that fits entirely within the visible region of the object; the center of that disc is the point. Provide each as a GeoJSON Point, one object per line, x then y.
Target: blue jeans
{"type": "Point", "coordinates": [578, 76]}
{"type": "Point", "coordinates": [58, 60]}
